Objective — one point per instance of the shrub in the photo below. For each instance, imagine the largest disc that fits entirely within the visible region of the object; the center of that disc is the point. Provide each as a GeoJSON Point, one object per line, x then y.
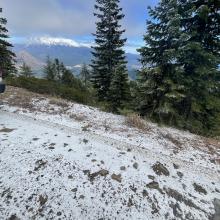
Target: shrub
{"type": "Point", "coordinates": [134, 120]}
{"type": "Point", "coordinates": [43, 86]}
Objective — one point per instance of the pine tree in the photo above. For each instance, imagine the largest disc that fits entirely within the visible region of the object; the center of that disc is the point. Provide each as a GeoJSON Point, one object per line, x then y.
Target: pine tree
{"type": "Point", "coordinates": [119, 92]}
{"type": "Point", "coordinates": [7, 57]}
{"type": "Point", "coordinates": [179, 79]}
{"type": "Point", "coordinates": [85, 74]}
{"type": "Point", "coordinates": [59, 68]}
{"type": "Point", "coordinates": [49, 70]}
{"type": "Point", "coordinates": [26, 70]}
{"type": "Point", "coordinates": [108, 52]}
{"type": "Point", "coordinates": [67, 77]}
{"type": "Point", "coordinates": [160, 86]}
{"type": "Point", "coordinates": [200, 59]}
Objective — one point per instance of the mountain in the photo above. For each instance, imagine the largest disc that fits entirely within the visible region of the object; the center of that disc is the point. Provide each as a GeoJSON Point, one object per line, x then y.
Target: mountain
{"type": "Point", "coordinates": [25, 57]}
{"type": "Point", "coordinates": [35, 55]}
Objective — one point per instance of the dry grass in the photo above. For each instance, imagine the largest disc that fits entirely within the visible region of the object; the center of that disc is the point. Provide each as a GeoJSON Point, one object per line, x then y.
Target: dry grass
{"type": "Point", "coordinates": [173, 140]}
{"type": "Point", "coordinates": [58, 102]}
{"type": "Point", "coordinates": [134, 120]}
{"type": "Point", "coordinates": [78, 117]}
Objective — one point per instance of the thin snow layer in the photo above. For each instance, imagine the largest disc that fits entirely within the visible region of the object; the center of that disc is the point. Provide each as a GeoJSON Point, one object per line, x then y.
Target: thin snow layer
{"type": "Point", "coordinates": [48, 171]}
{"type": "Point", "coordinates": [61, 160]}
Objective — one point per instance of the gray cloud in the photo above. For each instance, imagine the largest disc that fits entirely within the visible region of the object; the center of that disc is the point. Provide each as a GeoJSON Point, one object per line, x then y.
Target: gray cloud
{"type": "Point", "coordinates": [67, 17]}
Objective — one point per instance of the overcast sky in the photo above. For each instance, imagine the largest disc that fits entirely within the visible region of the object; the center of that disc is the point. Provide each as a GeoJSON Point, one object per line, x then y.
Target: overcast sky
{"type": "Point", "coordinates": [72, 19]}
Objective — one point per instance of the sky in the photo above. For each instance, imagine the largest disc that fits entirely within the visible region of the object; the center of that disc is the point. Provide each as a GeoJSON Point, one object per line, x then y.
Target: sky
{"type": "Point", "coordinates": [70, 19]}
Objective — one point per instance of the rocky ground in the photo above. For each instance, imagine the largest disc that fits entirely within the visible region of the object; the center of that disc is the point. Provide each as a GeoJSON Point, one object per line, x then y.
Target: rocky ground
{"type": "Point", "coordinates": [62, 160]}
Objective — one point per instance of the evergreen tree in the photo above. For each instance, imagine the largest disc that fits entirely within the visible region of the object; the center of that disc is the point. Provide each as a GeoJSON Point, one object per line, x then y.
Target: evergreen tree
{"type": "Point", "coordinates": [119, 92]}
{"type": "Point", "coordinates": [160, 79]}
{"type": "Point", "coordinates": [67, 77]}
{"type": "Point", "coordinates": [59, 68]}
{"type": "Point", "coordinates": [108, 52]}
{"type": "Point", "coordinates": [7, 57]}
{"type": "Point", "coordinates": [200, 59]}
{"type": "Point", "coordinates": [26, 70]}
{"type": "Point", "coordinates": [49, 70]}
{"type": "Point", "coordinates": [85, 74]}
{"type": "Point", "coordinates": [179, 80]}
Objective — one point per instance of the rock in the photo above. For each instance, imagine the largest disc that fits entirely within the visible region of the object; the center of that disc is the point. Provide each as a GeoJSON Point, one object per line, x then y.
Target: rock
{"type": "Point", "coordinates": [92, 176]}
{"type": "Point", "coordinates": [180, 174]}
{"type": "Point", "coordinates": [6, 130]}
{"type": "Point", "coordinates": [116, 177]}
{"type": "Point", "coordinates": [59, 213]}
{"type": "Point", "coordinates": [13, 217]}
{"type": "Point", "coordinates": [123, 168]}
{"type": "Point", "coordinates": [160, 169]}
{"type": "Point", "coordinates": [151, 177]}
{"type": "Point", "coordinates": [217, 209]}
{"type": "Point", "coordinates": [81, 196]}
{"type": "Point", "coordinates": [155, 185]}
{"type": "Point", "coordinates": [199, 188]}
{"type": "Point", "coordinates": [145, 193]}
{"type": "Point", "coordinates": [42, 200]}
{"type": "Point", "coordinates": [176, 166]}
{"type": "Point", "coordinates": [103, 172]}
{"type": "Point", "coordinates": [130, 202]}
{"type": "Point", "coordinates": [85, 141]}
{"type": "Point", "coordinates": [70, 177]}
{"type": "Point", "coordinates": [135, 165]}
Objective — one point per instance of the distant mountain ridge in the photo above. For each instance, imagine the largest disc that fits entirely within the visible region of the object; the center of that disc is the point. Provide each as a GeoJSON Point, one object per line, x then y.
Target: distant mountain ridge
{"type": "Point", "coordinates": [36, 54]}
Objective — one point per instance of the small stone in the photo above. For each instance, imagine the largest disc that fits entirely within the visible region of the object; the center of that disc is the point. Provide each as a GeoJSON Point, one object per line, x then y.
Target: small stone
{"type": "Point", "coordinates": [175, 166]}
{"type": "Point", "coordinates": [199, 188]}
{"type": "Point", "coordinates": [85, 141]}
{"type": "Point", "coordinates": [151, 177]}
{"type": "Point", "coordinates": [59, 213]}
{"type": "Point", "coordinates": [122, 168]}
{"type": "Point", "coordinates": [135, 165]}
{"type": "Point", "coordinates": [160, 169]}
{"type": "Point", "coordinates": [145, 193]}
{"type": "Point", "coordinates": [116, 177]}
{"type": "Point", "coordinates": [74, 190]}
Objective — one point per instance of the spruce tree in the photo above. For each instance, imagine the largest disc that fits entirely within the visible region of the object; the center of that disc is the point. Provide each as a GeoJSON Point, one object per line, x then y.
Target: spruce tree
{"type": "Point", "coordinates": [49, 70]}
{"type": "Point", "coordinates": [108, 53]}
{"type": "Point", "coordinates": [85, 74]}
{"type": "Point", "coordinates": [119, 92]}
{"type": "Point", "coordinates": [200, 59]}
{"type": "Point", "coordinates": [26, 70]}
{"type": "Point", "coordinates": [159, 80]}
{"type": "Point", "coordinates": [59, 68]}
{"type": "Point", "coordinates": [67, 77]}
{"type": "Point", "coordinates": [7, 57]}
{"type": "Point", "coordinates": [179, 80]}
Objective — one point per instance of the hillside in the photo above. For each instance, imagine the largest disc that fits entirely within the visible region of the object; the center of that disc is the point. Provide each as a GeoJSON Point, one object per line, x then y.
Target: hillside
{"type": "Point", "coordinates": [62, 160]}
{"type": "Point", "coordinates": [71, 56]}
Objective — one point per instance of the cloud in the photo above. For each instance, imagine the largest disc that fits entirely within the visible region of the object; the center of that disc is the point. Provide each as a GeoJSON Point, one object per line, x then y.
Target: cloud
{"type": "Point", "coordinates": [68, 17]}
{"type": "Point", "coordinates": [34, 17]}
{"type": "Point", "coordinates": [57, 41]}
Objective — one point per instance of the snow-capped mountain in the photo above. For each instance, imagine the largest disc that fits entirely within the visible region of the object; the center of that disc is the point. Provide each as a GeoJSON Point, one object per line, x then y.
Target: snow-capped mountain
{"type": "Point", "coordinates": [54, 41]}
{"type": "Point", "coordinates": [73, 54]}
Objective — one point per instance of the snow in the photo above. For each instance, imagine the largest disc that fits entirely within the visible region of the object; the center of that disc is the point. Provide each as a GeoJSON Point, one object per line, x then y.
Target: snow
{"type": "Point", "coordinates": [50, 153]}
{"type": "Point", "coordinates": [51, 41]}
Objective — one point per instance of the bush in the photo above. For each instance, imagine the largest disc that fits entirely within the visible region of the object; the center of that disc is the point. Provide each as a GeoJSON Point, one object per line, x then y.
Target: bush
{"type": "Point", "coordinates": [134, 120]}
{"type": "Point", "coordinates": [43, 86]}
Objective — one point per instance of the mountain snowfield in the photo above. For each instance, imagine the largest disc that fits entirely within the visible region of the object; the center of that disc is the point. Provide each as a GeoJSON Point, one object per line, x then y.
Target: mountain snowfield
{"type": "Point", "coordinates": [51, 41]}
{"type": "Point", "coordinates": [73, 54]}
{"type": "Point", "coordinates": [62, 160]}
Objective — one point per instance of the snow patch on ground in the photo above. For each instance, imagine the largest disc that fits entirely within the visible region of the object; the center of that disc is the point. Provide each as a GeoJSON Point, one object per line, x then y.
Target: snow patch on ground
{"type": "Point", "coordinates": [65, 160]}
